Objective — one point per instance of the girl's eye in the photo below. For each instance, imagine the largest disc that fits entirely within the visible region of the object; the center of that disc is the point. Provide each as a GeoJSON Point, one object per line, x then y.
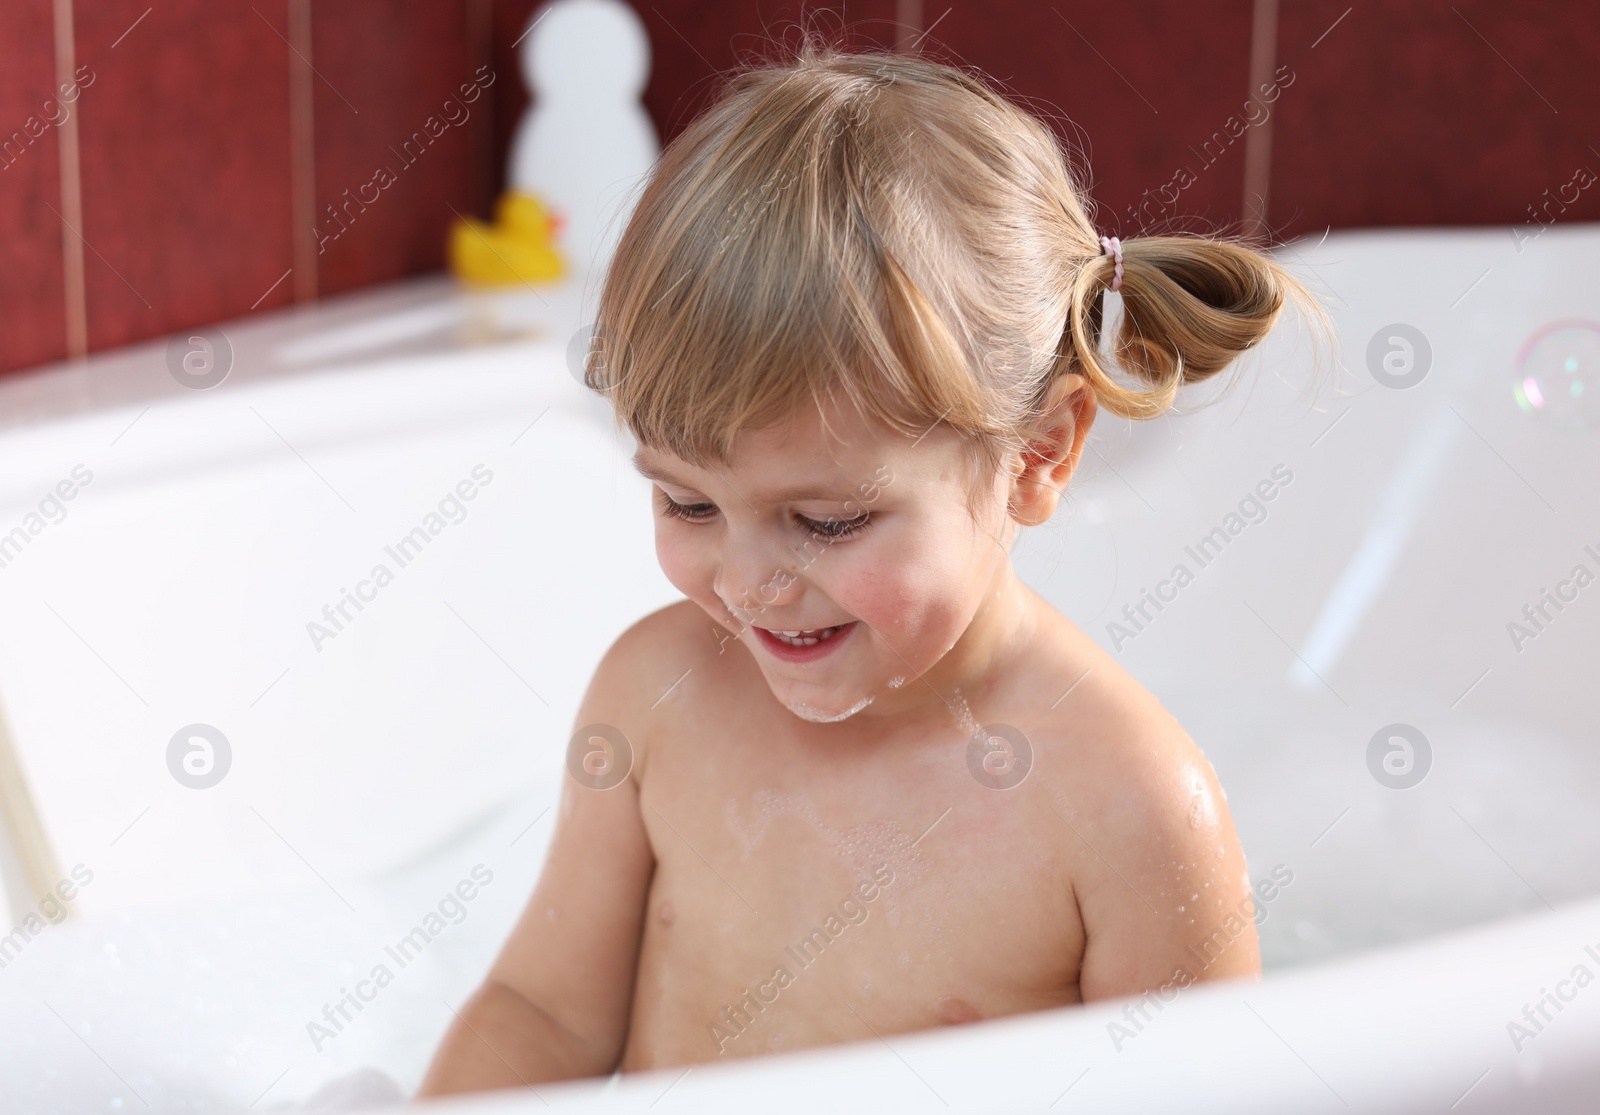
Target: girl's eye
{"type": "Point", "coordinates": [832, 530]}
{"type": "Point", "coordinates": [688, 512]}
{"type": "Point", "coordinates": [835, 529]}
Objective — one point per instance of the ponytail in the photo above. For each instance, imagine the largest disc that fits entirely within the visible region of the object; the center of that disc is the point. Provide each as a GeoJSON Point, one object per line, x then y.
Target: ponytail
{"type": "Point", "coordinates": [1189, 307]}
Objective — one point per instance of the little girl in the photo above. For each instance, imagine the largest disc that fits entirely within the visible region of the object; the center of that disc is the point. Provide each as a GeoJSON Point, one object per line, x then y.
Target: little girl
{"type": "Point", "coordinates": [863, 780]}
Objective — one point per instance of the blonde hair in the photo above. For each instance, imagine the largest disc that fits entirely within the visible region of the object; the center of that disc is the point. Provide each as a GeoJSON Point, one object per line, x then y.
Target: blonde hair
{"type": "Point", "coordinates": [893, 230]}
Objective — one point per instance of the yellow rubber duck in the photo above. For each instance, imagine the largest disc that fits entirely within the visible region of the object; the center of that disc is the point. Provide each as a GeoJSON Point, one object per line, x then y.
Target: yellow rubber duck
{"type": "Point", "coordinates": [517, 248]}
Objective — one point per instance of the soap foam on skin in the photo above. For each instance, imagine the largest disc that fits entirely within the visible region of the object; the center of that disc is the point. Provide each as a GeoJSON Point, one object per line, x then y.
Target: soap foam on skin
{"type": "Point", "coordinates": [965, 720]}
{"type": "Point", "coordinates": [817, 716]}
{"type": "Point", "coordinates": [862, 846]}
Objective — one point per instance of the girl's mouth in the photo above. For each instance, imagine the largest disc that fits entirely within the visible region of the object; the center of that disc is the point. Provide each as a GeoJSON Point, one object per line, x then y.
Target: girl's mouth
{"type": "Point", "coordinates": [804, 646]}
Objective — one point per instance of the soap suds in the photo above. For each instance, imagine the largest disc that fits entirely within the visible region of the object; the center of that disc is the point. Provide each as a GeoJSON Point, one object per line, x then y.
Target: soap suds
{"type": "Point", "coordinates": [864, 847]}
{"type": "Point", "coordinates": [817, 716]}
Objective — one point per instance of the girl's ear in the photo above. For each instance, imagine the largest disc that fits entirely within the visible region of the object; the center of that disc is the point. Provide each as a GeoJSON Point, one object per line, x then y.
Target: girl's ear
{"type": "Point", "coordinates": [1051, 455]}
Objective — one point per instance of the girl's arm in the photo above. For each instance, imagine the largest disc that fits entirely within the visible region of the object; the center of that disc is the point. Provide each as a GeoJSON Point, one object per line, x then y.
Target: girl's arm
{"type": "Point", "coordinates": [1165, 898]}
{"type": "Point", "coordinates": [555, 1004]}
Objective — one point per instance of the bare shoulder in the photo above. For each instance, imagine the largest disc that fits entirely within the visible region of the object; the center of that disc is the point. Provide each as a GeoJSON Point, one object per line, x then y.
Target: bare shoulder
{"type": "Point", "coordinates": [679, 635]}
{"type": "Point", "coordinates": [1160, 858]}
{"type": "Point", "coordinates": [651, 659]}
{"type": "Point", "coordinates": [1117, 739]}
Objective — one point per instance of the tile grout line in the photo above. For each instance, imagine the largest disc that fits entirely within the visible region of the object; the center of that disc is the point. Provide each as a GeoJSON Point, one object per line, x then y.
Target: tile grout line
{"type": "Point", "coordinates": [303, 154]}
{"type": "Point", "coordinates": [1258, 140]}
{"type": "Point", "coordinates": [77, 313]}
{"type": "Point", "coordinates": [908, 23]}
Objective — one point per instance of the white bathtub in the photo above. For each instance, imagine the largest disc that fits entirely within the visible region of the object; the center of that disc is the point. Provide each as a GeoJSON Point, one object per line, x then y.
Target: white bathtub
{"type": "Point", "coordinates": [374, 769]}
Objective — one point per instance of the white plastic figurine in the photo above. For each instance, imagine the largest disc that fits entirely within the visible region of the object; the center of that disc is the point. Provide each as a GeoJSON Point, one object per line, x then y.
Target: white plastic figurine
{"type": "Point", "coordinates": [586, 141]}
{"type": "Point", "coordinates": [579, 153]}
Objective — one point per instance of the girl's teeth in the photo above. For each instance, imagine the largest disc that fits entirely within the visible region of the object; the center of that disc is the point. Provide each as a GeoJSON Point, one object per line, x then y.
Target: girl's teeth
{"type": "Point", "coordinates": [806, 638]}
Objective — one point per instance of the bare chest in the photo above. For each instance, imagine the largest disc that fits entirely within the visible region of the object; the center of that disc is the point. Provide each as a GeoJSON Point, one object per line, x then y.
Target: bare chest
{"type": "Point", "coordinates": [805, 897]}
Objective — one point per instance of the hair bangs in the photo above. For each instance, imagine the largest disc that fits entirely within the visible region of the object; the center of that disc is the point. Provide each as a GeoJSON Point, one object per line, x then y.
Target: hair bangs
{"type": "Point", "coordinates": [771, 288]}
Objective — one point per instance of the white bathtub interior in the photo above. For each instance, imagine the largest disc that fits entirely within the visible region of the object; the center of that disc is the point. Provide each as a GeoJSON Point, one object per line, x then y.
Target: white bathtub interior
{"type": "Point", "coordinates": [372, 773]}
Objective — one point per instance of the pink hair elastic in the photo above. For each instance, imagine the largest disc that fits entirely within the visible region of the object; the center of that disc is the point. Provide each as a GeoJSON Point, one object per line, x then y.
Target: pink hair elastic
{"type": "Point", "coordinates": [1113, 248]}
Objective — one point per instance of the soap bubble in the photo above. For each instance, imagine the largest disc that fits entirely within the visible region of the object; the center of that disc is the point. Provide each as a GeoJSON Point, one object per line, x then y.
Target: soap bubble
{"type": "Point", "coordinates": [1558, 375]}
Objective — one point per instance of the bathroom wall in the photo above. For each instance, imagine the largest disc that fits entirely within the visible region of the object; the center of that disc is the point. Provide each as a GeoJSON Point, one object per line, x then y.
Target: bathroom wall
{"type": "Point", "coordinates": [169, 165]}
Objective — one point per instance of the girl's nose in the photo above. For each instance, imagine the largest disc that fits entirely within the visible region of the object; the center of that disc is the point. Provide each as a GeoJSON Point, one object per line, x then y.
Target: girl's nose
{"type": "Point", "coordinates": [752, 580]}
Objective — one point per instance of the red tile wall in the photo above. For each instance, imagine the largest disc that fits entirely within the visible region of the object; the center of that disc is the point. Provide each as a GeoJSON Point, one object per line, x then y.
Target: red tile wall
{"type": "Point", "coordinates": [1134, 88]}
{"type": "Point", "coordinates": [184, 142]}
{"type": "Point", "coordinates": [391, 101]}
{"type": "Point", "coordinates": [33, 325]}
{"type": "Point", "coordinates": [1435, 112]}
{"type": "Point", "coordinates": [1423, 112]}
